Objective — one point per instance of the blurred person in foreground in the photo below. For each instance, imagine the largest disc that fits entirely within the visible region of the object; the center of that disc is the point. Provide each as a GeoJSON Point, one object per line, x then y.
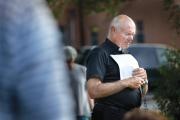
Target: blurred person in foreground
{"type": "Point", "coordinates": [114, 96]}
{"type": "Point", "coordinates": [141, 114]}
{"type": "Point", "coordinates": [33, 78]}
{"type": "Point", "coordinates": [78, 81]}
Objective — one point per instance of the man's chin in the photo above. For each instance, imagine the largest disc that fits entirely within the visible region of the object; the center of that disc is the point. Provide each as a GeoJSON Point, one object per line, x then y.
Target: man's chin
{"type": "Point", "coordinates": [126, 46]}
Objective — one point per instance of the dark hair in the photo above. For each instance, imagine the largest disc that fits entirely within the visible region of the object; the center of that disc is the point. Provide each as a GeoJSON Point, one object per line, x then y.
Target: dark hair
{"type": "Point", "coordinates": [141, 114]}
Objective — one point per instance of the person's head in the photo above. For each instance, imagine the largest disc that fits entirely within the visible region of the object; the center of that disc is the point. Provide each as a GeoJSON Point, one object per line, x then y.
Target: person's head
{"type": "Point", "coordinates": [70, 54]}
{"type": "Point", "coordinates": [140, 114]}
{"type": "Point", "coordinates": [122, 30]}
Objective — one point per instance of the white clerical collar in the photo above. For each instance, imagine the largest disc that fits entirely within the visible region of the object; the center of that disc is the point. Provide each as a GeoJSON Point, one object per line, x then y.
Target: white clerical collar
{"type": "Point", "coordinates": [120, 49]}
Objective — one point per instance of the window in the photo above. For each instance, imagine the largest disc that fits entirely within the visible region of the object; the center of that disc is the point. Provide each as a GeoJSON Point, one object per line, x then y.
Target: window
{"type": "Point", "coordinates": [140, 32]}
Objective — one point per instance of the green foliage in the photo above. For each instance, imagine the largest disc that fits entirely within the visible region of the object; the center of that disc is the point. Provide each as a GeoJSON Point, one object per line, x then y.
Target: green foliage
{"type": "Point", "coordinates": [167, 4]}
{"type": "Point", "coordinates": [88, 6]}
{"type": "Point", "coordinates": [110, 6]}
{"type": "Point", "coordinates": [167, 93]}
{"type": "Point", "coordinates": [58, 6]}
{"type": "Point", "coordinates": [174, 16]}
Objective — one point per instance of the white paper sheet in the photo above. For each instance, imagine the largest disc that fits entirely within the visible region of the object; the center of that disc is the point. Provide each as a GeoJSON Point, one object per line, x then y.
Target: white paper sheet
{"type": "Point", "coordinates": [127, 63]}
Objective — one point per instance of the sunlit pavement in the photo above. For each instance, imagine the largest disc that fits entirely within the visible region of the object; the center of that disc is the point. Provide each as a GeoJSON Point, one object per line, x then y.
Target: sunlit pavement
{"type": "Point", "coordinates": [149, 103]}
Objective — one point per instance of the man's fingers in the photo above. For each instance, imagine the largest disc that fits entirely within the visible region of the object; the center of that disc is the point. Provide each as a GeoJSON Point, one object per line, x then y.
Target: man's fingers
{"type": "Point", "coordinates": [136, 82]}
{"type": "Point", "coordinates": [139, 72]}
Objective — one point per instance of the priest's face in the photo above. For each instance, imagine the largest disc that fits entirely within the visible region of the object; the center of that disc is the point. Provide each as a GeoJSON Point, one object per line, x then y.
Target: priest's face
{"type": "Point", "coordinates": [123, 37]}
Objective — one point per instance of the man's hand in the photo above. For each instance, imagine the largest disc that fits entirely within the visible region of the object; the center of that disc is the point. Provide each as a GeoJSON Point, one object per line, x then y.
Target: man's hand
{"type": "Point", "coordinates": [140, 72]}
{"type": "Point", "coordinates": [134, 82]}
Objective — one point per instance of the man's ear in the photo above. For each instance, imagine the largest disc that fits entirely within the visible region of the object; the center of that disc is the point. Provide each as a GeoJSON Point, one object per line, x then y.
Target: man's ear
{"type": "Point", "coordinates": [113, 29]}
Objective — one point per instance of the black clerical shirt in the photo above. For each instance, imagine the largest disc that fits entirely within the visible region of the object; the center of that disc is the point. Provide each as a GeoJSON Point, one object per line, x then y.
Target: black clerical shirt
{"type": "Point", "coordinates": [100, 65]}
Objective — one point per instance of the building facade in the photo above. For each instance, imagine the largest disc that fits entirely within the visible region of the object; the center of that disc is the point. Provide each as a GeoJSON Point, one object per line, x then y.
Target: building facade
{"type": "Point", "coordinates": [153, 25]}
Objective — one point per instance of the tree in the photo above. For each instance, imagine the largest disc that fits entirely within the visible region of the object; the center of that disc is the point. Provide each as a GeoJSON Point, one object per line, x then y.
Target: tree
{"type": "Point", "coordinates": [173, 6]}
{"type": "Point", "coordinates": [167, 92]}
{"type": "Point", "coordinates": [89, 6]}
{"type": "Point", "coordinates": [110, 6]}
{"type": "Point", "coordinates": [86, 7]}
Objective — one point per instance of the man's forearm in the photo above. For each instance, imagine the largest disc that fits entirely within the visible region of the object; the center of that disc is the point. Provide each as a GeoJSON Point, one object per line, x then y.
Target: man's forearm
{"type": "Point", "coordinates": [97, 89]}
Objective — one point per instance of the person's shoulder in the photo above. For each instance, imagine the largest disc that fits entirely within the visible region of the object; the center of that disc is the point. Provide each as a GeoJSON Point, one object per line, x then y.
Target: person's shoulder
{"type": "Point", "coordinates": [100, 50]}
{"type": "Point", "coordinates": [80, 66]}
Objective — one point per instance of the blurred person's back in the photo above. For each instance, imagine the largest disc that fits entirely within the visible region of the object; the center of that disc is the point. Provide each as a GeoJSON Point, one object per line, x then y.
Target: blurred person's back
{"type": "Point", "coordinates": [33, 80]}
{"type": "Point", "coordinates": [78, 82]}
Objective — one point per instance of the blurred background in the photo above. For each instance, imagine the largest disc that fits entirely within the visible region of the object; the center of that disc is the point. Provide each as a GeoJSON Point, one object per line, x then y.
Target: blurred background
{"type": "Point", "coordinates": [32, 54]}
{"type": "Point", "coordinates": [84, 24]}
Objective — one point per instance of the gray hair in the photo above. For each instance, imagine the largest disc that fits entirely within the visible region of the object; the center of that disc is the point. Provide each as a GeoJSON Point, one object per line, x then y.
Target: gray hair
{"type": "Point", "coordinates": [114, 23]}
{"type": "Point", "coordinates": [118, 22]}
{"type": "Point", "coordinates": [70, 53]}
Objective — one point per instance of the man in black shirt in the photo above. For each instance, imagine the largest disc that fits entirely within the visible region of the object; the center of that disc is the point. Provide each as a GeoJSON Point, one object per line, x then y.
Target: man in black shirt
{"type": "Point", "coordinates": [114, 96]}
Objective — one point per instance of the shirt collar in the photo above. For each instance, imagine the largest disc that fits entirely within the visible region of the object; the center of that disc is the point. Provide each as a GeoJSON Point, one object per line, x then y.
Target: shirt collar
{"type": "Point", "coordinates": [113, 47]}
